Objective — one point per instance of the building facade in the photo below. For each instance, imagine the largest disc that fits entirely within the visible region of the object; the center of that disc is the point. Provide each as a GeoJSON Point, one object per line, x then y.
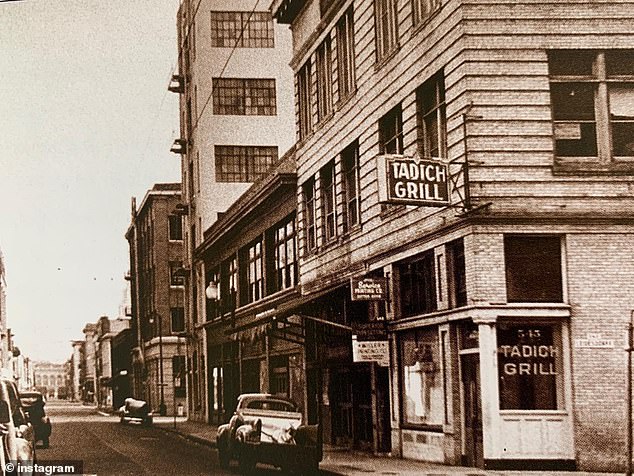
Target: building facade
{"type": "Point", "coordinates": [155, 237]}
{"type": "Point", "coordinates": [77, 369]}
{"type": "Point", "coordinates": [50, 379]}
{"type": "Point", "coordinates": [477, 159]}
{"type": "Point", "coordinates": [236, 120]}
{"type": "Point", "coordinates": [106, 330]}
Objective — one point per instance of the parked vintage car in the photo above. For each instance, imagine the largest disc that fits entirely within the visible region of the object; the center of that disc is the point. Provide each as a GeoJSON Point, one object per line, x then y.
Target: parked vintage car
{"type": "Point", "coordinates": [269, 429]}
{"type": "Point", "coordinates": [18, 437]}
{"type": "Point", "coordinates": [33, 405]}
{"type": "Point", "coordinates": [135, 410]}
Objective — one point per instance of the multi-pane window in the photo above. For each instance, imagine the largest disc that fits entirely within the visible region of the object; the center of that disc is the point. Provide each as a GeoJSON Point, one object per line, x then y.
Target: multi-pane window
{"type": "Point", "coordinates": [391, 132]}
{"type": "Point", "coordinates": [244, 97]}
{"type": "Point", "coordinates": [308, 191]}
{"type": "Point", "coordinates": [243, 163]}
{"type": "Point", "coordinates": [432, 121]}
{"type": "Point", "coordinates": [175, 225]}
{"type": "Point", "coordinates": [345, 55]}
{"type": "Point", "coordinates": [533, 268]}
{"type": "Point", "coordinates": [350, 168]}
{"type": "Point", "coordinates": [418, 285]}
{"type": "Point", "coordinates": [385, 13]}
{"type": "Point", "coordinates": [456, 274]}
{"type": "Point", "coordinates": [242, 30]}
{"type": "Point", "coordinates": [328, 201]}
{"type": "Point", "coordinates": [304, 94]}
{"type": "Point", "coordinates": [324, 79]}
{"type": "Point", "coordinates": [592, 95]}
{"type": "Point", "coordinates": [176, 276]}
{"type": "Point", "coordinates": [228, 284]}
{"type": "Point", "coordinates": [255, 277]}
{"type": "Point", "coordinates": [285, 255]}
{"type": "Point", "coordinates": [423, 9]}
{"type": "Point", "coordinates": [177, 315]}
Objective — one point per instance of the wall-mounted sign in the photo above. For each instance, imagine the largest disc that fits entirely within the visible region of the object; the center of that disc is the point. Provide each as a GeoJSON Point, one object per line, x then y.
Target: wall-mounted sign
{"type": "Point", "coordinates": [412, 181]}
{"type": "Point", "coordinates": [365, 331]}
{"type": "Point", "coordinates": [368, 289]}
{"type": "Point", "coordinates": [594, 341]}
{"type": "Point", "coordinates": [371, 351]}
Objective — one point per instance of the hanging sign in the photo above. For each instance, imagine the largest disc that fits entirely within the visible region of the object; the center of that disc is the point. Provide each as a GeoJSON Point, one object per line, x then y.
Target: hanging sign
{"type": "Point", "coordinates": [368, 289]}
{"type": "Point", "coordinates": [371, 351]}
{"type": "Point", "coordinates": [412, 181]}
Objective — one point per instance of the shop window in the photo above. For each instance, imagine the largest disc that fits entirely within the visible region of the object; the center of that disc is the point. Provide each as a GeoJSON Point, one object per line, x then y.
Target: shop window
{"type": "Point", "coordinates": [391, 132]}
{"type": "Point", "coordinates": [592, 96]}
{"type": "Point", "coordinates": [422, 386]}
{"type": "Point", "coordinates": [304, 97]}
{"type": "Point", "coordinates": [418, 285]}
{"type": "Point", "coordinates": [177, 315]}
{"type": "Point", "coordinates": [175, 227]}
{"type": "Point", "coordinates": [530, 366]}
{"type": "Point", "coordinates": [324, 79]}
{"type": "Point", "coordinates": [533, 268]}
{"type": "Point", "coordinates": [350, 167]}
{"type": "Point", "coordinates": [328, 201]}
{"type": "Point", "coordinates": [386, 27]}
{"type": "Point", "coordinates": [308, 190]}
{"type": "Point", "coordinates": [345, 55]}
{"type": "Point", "coordinates": [456, 274]}
{"type": "Point", "coordinates": [178, 374]}
{"type": "Point", "coordinates": [432, 120]}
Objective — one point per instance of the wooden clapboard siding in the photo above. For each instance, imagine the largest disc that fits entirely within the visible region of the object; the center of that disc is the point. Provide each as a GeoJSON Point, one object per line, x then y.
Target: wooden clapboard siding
{"type": "Point", "coordinates": [494, 57]}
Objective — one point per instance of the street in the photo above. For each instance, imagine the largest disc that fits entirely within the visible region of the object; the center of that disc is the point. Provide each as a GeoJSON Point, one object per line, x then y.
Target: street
{"type": "Point", "coordinates": [108, 448]}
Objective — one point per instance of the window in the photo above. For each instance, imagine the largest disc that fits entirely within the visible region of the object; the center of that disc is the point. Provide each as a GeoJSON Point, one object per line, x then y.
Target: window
{"type": "Point", "coordinates": [421, 376]}
{"type": "Point", "coordinates": [391, 132]}
{"type": "Point", "coordinates": [178, 319]}
{"type": "Point", "coordinates": [386, 27]}
{"type": "Point", "coordinates": [592, 95]}
{"type": "Point", "coordinates": [279, 375]}
{"type": "Point", "coordinates": [243, 163]}
{"type": "Point", "coordinates": [456, 274]}
{"type": "Point", "coordinates": [308, 190]}
{"type": "Point", "coordinates": [350, 167]}
{"type": "Point", "coordinates": [432, 121]}
{"type": "Point", "coordinates": [285, 256]}
{"type": "Point", "coordinates": [324, 79]}
{"type": "Point", "coordinates": [418, 285]}
{"type": "Point", "coordinates": [304, 95]}
{"type": "Point", "coordinates": [228, 284]}
{"type": "Point", "coordinates": [244, 97]}
{"type": "Point", "coordinates": [255, 277]}
{"type": "Point", "coordinates": [242, 30]}
{"type": "Point", "coordinates": [176, 276]}
{"type": "Point", "coordinates": [345, 55]}
{"type": "Point", "coordinates": [533, 268]}
{"type": "Point", "coordinates": [530, 366]}
{"type": "Point", "coordinates": [175, 224]}
{"type": "Point", "coordinates": [179, 374]}
{"type": "Point", "coordinates": [423, 9]}
{"type": "Point", "coordinates": [328, 202]}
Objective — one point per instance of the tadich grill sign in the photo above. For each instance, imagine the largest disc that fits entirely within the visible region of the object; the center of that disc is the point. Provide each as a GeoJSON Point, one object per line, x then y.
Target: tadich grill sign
{"type": "Point", "coordinates": [412, 181]}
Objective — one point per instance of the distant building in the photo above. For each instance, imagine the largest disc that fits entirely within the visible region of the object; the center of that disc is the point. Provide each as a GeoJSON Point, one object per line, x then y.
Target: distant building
{"type": "Point", "coordinates": [121, 382]}
{"type": "Point", "coordinates": [106, 330]}
{"type": "Point", "coordinates": [50, 379]}
{"type": "Point", "coordinates": [88, 385]}
{"type": "Point", "coordinates": [157, 280]}
{"type": "Point", "coordinates": [77, 369]}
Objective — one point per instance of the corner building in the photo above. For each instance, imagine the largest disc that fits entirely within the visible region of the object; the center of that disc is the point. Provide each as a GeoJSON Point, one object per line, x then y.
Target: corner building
{"type": "Point", "coordinates": [507, 307]}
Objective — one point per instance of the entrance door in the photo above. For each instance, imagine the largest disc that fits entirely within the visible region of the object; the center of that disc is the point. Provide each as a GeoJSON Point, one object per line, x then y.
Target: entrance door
{"type": "Point", "coordinates": [472, 411]}
{"type": "Point", "coordinates": [351, 400]}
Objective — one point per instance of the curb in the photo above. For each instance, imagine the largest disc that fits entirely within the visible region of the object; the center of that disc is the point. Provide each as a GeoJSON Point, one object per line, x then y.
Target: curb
{"type": "Point", "coordinates": [187, 436]}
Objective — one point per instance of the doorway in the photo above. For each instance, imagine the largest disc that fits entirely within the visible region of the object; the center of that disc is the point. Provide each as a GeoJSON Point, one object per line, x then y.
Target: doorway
{"type": "Point", "coordinates": [473, 454]}
{"type": "Point", "coordinates": [351, 398]}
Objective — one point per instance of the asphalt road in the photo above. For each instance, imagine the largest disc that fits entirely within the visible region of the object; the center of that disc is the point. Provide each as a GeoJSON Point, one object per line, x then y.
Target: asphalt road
{"type": "Point", "coordinates": [108, 448]}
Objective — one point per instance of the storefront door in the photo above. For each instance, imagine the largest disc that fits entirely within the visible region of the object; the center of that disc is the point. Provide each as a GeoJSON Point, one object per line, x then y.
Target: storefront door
{"type": "Point", "coordinates": [472, 410]}
{"type": "Point", "coordinates": [351, 399]}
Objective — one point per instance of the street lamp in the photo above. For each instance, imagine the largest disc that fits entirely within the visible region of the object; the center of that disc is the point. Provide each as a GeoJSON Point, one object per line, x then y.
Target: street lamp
{"type": "Point", "coordinates": [162, 406]}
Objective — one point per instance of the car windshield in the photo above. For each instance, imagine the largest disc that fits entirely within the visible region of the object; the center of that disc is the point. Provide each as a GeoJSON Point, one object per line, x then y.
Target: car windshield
{"type": "Point", "coordinates": [276, 405]}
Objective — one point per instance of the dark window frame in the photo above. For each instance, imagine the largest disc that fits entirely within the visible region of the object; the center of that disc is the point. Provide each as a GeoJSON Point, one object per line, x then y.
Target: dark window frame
{"type": "Point", "coordinates": [243, 163]}
{"type": "Point", "coordinates": [242, 29]}
{"type": "Point", "coordinates": [417, 283]}
{"type": "Point", "coordinates": [244, 96]}
{"type": "Point", "coordinates": [391, 131]}
{"type": "Point", "coordinates": [386, 28]}
{"type": "Point", "coordinates": [352, 195]}
{"type": "Point", "coordinates": [346, 73]}
{"type": "Point", "coordinates": [432, 117]}
{"type": "Point", "coordinates": [328, 196]}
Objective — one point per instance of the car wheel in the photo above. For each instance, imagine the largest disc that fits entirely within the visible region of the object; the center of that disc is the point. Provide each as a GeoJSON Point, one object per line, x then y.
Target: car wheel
{"type": "Point", "coordinates": [246, 462]}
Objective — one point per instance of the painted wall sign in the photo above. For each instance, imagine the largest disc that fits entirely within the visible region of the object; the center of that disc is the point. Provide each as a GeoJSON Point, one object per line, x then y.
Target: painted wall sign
{"type": "Point", "coordinates": [368, 289]}
{"type": "Point", "coordinates": [594, 341]}
{"type": "Point", "coordinates": [371, 351]}
{"type": "Point", "coordinates": [412, 181]}
{"type": "Point", "coordinates": [375, 330]}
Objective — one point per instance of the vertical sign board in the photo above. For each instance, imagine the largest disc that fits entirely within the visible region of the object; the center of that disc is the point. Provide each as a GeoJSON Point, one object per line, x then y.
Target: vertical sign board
{"type": "Point", "coordinates": [412, 181]}
{"type": "Point", "coordinates": [368, 289]}
{"type": "Point", "coordinates": [369, 339]}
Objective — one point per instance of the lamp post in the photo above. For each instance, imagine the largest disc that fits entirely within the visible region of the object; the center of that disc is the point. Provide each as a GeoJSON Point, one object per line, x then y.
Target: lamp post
{"type": "Point", "coordinates": [162, 406]}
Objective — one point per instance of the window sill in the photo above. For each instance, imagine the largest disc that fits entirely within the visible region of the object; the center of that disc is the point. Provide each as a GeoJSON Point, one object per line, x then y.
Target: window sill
{"type": "Point", "coordinates": [592, 166]}
{"type": "Point", "coordinates": [422, 427]}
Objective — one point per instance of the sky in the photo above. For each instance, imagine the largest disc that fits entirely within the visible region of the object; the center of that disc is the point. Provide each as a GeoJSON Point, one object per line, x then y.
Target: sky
{"type": "Point", "coordinates": [86, 122]}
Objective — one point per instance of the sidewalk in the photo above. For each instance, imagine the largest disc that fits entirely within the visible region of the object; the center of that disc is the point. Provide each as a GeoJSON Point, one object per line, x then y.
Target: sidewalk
{"type": "Point", "coordinates": [344, 462]}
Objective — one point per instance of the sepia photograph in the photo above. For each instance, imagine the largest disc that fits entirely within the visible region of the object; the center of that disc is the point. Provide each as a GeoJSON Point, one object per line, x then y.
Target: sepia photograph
{"type": "Point", "coordinates": [316, 237]}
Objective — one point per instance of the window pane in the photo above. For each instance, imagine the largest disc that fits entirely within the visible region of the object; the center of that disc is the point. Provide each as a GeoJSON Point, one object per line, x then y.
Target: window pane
{"type": "Point", "coordinates": [533, 268]}
{"type": "Point", "coordinates": [530, 367]}
{"type": "Point", "coordinates": [622, 119]}
{"type": "Point", "coordinates": [418, 285]}
{"type": "Point", "coordinates": [620, 63]}
{"type": "Point", "coordinates": [572, 101]}
{"type": "Point", "coordinates": [570, 63]}
{"type": "Point", "coordinates": [423, 400]}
